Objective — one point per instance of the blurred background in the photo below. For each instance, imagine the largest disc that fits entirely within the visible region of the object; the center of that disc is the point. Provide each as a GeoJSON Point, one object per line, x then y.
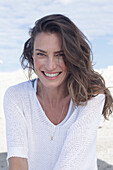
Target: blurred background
{"type": "Point", "coordinates": [93, 17]}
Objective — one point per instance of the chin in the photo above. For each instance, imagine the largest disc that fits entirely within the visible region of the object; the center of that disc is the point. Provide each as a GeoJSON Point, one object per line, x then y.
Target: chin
{"type": "Point", "coordinates": [53, 82]}
{"type": "Point", "coordinates": [51, 85]}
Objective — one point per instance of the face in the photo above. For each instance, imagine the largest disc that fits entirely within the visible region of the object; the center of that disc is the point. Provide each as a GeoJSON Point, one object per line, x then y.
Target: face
{"type": "Point", "coordinates": [48, 60]}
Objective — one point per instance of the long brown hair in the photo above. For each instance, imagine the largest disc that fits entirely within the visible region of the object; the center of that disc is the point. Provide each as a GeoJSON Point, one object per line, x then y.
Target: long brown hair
{"type": "Point", "coordinates": [82, 82]}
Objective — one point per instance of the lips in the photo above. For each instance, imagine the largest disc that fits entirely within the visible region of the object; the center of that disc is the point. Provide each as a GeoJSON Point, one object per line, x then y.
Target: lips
{"type": "Point", "coordinates": [51, 75]}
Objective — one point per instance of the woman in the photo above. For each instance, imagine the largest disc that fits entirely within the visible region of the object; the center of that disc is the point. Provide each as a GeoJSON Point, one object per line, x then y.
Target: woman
{"type": "Point", "coordinates": [52, 121]}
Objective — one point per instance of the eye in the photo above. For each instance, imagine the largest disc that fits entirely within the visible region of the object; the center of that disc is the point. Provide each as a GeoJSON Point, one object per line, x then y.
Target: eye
{"type": "Point", "coordinates": [60, 55]}
{"type": "Point", "coordinates": [40, 54]}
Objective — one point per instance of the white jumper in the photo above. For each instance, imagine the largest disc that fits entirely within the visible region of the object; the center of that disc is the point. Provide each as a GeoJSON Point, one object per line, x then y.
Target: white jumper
{"type": "Point", "coordinates": [29, 131]}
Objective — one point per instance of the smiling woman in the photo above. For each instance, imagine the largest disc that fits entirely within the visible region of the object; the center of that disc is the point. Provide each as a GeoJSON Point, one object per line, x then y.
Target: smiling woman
{"type": "Point", "coordinates": [48, 60]}
{"type": "Point", "coordinates": [52, 120]}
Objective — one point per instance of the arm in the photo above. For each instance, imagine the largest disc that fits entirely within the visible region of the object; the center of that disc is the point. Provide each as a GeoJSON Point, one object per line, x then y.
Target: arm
{"type": "Point", "coordinates": [16, 130]}
{"type": "Point", "coordinates": [16, 163]}
{"type": "Point", "coordinates": [79, 149]}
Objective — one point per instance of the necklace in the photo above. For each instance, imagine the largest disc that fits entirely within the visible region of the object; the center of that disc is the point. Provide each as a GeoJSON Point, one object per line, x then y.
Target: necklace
{"type": "Point", "coordinates": [59, 120]}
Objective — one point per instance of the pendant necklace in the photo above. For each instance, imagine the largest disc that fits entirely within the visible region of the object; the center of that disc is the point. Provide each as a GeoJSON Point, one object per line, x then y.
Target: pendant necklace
{"type": "Point", "coordinates": [52, 136]}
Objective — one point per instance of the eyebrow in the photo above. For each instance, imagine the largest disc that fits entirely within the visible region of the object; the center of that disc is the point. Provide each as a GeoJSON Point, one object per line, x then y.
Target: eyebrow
{"type": "Point", "coordinates": [61, 51]}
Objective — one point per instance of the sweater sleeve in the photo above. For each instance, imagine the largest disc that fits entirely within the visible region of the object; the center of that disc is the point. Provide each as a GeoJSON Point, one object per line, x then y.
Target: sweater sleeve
{"type": "Point", "coordinates": [16, 126]}
{"type": "Point", "coordinates": [79, 149]}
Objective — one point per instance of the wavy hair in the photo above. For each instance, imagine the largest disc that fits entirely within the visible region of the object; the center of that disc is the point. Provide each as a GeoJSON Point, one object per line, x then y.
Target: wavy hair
{"type": "Point", "coordinates": [83, 82]}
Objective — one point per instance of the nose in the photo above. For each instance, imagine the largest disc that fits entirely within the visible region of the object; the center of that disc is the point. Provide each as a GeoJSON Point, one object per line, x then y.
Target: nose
{"type": "Point", "coordinates": [51, 64]}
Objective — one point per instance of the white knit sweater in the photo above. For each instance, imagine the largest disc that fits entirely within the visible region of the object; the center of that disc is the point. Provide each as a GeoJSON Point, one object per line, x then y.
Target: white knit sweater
{"type": "Point", "coordinates": [29, 132]}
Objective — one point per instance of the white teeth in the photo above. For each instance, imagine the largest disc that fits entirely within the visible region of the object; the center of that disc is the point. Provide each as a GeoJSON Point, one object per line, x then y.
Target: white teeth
{"type": "Point", "coordinates": [51, 75]}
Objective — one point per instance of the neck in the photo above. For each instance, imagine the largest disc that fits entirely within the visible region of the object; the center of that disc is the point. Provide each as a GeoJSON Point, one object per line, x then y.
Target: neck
{"type": "Point", "coordinates": [52, 95]}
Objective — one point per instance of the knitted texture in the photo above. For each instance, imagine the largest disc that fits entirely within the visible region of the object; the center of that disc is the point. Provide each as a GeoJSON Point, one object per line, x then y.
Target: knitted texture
{"type": "Point", "coordinates": [29, 132]}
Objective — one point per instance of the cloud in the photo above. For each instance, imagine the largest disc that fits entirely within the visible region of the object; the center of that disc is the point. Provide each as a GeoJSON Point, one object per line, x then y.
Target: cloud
{"type": "Point", "coordinates": [65, 2]}
{"type": "Point", "coordinates": [110, 42]}
{"type": "Point", "coordinates": [93, 17]}
{"type": "Point", "coordinates": [1, 61]}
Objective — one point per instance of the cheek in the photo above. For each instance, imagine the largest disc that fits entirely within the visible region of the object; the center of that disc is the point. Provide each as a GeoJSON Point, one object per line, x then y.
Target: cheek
{"type": "Point", "coordinates": [37, 63]}
{"type": "Point", "coordinates": [63, 66]}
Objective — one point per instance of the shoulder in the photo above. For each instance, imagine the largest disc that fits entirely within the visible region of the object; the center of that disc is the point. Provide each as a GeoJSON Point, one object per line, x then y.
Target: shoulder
{"type": "Point", "coordinates": [98, 96]}
{"type": "Point", "coordinates": [18, 89]}
{"type": "Point", "coordinates": [17, 96]}
{"type": "Point", "coordinates": [97, 99]}
{"type": "Point", "coordinates": [94, 104]}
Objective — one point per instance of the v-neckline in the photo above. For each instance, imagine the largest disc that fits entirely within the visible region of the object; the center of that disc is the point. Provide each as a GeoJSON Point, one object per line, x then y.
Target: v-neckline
{"type": "Point", "coordinates": [48, 120]}
{"type": "Point", "coordinates": [43, 113]}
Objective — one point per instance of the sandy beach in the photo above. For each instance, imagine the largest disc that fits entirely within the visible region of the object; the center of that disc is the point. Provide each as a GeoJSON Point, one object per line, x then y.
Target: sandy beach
{"type": "Point", "coordinates": [105, 131]}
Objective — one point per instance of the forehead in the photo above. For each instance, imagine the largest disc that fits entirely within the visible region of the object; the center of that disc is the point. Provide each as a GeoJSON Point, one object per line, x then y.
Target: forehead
{"type": "Point", "coordinates": [47, 41]}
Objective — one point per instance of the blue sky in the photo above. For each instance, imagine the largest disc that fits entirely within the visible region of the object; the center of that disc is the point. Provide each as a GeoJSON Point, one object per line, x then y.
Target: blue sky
{"type": "Point", "coordinates": [93, 17]}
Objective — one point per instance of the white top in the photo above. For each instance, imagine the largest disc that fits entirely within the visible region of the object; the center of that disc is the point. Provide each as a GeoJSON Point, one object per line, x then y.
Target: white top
{"type": "Point", "coordinates": [29, 131]}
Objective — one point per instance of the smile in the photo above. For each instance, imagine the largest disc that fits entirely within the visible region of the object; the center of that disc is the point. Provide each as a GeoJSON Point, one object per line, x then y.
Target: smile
{"type": "Point", "coordinates": [51, 75]}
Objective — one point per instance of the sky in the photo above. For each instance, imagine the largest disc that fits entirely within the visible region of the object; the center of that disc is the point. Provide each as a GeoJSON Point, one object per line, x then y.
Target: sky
{"type": "Point", "coordinates": [93, 17]}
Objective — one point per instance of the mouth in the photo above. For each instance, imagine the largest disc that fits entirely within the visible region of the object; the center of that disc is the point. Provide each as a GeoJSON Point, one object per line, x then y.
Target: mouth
{"type": "Point", "coordinates": [51, 75]}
